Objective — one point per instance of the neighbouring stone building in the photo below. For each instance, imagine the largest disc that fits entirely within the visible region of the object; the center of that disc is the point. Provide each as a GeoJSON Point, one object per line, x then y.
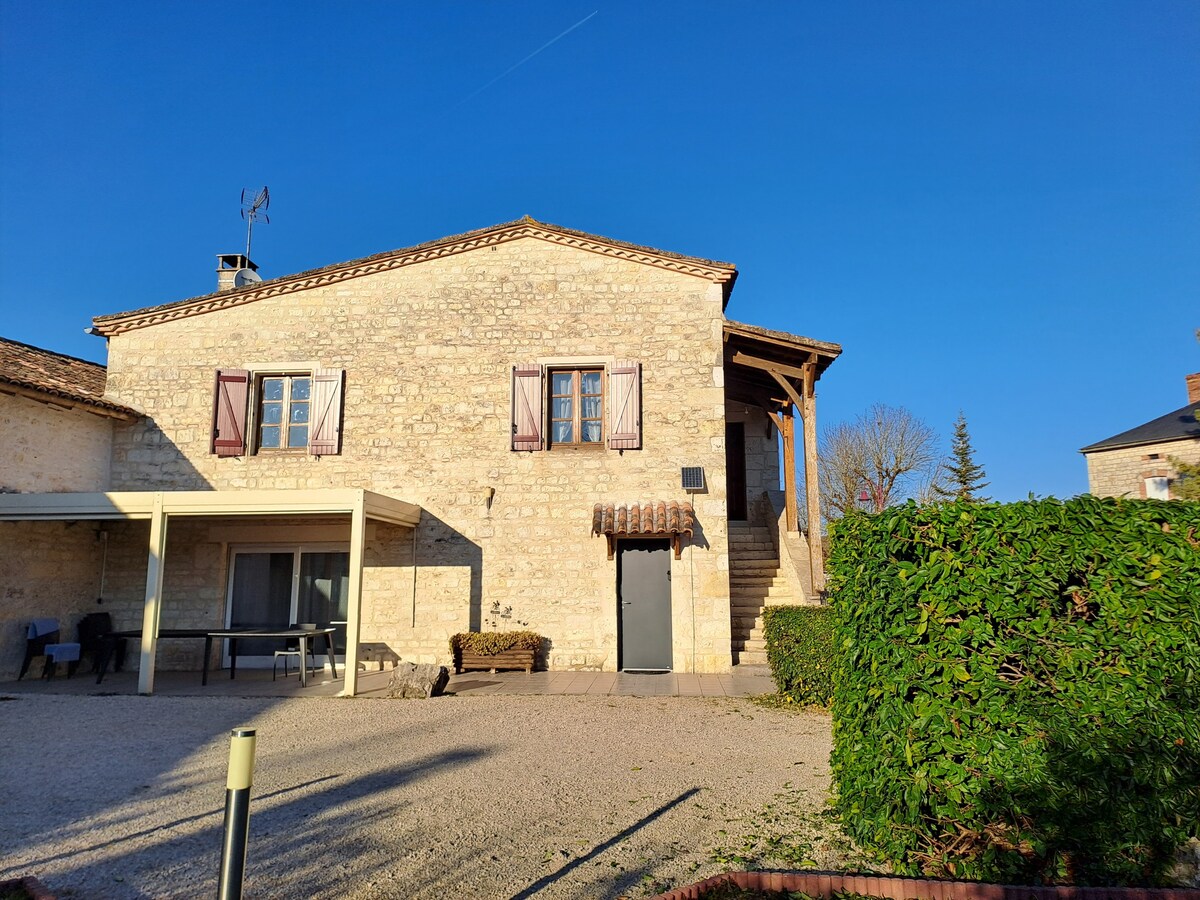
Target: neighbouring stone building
{"type": "Point", "coordinates": [524, 426]}
{"type": "Point", "coordinates": [1137, 462]}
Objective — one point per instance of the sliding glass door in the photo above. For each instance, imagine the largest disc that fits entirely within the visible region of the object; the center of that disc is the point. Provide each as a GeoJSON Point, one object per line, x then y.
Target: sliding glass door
{"type": "Point", "coordinates": [277, 586]}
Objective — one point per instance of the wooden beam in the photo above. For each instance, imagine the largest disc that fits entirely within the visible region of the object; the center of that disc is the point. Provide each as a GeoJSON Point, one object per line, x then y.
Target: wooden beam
{"type": "Point", "coordinates": [788, 430]}
{"type": "Point", "coordinates": [791, 392]}
{"type": "Point", "coordinates": [767, 365]}
{"type": "Point", "coordinates": [812, 488]}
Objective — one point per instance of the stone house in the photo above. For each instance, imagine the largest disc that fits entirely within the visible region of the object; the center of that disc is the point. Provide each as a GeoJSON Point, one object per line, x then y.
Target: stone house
{"type": "Point", "coordinates": [524, 426]}
{"type": "Point", "coordinates": [1137, 462]}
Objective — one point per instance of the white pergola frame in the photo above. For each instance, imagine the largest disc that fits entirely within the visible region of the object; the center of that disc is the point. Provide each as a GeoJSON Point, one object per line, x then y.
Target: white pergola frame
{"type": "Point", "coordinates": [158, 507]}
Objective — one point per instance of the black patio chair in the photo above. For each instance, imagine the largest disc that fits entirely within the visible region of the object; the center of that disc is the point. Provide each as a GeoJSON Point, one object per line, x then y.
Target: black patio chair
{"type": "Point", "coordinates": [95, 637]}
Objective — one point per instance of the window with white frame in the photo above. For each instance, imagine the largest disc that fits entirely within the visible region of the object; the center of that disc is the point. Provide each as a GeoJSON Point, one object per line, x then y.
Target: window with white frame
{"type": "Point", "coordinates": [1158, 488]}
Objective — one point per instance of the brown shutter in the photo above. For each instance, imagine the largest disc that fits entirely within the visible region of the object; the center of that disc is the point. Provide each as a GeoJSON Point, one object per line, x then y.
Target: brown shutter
{"type": "Point", "coordinates": [229, 412]}
{"type": "Point", "coordinates": [527, 418]}
{"type": "Point", "coordinates": [625, 405]}
{"type": "Point", "coordinates": [325, 433]}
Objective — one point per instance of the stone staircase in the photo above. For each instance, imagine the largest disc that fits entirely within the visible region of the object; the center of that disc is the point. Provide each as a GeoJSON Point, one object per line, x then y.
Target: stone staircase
{"type": "Point", "coordinates": [754, 582]}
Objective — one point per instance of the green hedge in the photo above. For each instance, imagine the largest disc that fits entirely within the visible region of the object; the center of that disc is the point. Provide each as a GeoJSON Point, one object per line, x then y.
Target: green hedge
{"type": "Point", "coordinates": [1017, 688]}
{"type": "Point", "coordinates": [800, 651]}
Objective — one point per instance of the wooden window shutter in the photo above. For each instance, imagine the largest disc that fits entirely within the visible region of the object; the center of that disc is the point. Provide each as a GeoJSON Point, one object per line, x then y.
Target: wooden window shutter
{"type": "Point", "coordinates": [230, 399]}
{"type": "Point", "coordinates": [625, 405]}
{"type": "Point", "coordinates": [325, 433]}
{"type": "Point", "coordinates": [527, 402]}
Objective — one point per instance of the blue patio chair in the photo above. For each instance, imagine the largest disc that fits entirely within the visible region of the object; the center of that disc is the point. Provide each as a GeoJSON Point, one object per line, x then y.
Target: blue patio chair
{"type": "Point", "coordinates": [41, 639]}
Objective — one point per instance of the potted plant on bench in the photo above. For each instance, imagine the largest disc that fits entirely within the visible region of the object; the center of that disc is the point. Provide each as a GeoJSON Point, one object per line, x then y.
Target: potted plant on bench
{"type": "Point", "coordinates": [494, 650]}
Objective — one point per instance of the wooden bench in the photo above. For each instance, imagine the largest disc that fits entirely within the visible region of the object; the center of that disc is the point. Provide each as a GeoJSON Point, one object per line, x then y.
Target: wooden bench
{"type": "Point", "coordinates": [508, 659]}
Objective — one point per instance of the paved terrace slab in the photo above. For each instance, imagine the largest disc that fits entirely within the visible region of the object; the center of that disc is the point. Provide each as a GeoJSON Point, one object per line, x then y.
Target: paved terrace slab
{"type": "Point", "coordinates": [743, 681]}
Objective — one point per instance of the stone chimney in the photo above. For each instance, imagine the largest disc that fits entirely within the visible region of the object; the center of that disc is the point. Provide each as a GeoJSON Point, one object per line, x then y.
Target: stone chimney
{"type": "Point", "coordinates": [1193, 386]}
{"type": "Point", "coordinates": [232, 265]}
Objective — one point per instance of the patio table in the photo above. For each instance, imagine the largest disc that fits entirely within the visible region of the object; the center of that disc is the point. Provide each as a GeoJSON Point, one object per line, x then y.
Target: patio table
{"type": "Point", "coordinates": [137, 633]}
{"type": "Point", "coordinates": [301, 634]}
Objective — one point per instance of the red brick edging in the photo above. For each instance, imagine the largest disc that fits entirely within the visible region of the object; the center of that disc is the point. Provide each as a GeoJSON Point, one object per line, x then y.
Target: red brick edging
{"type": "Point", "coordinates": [892, 887]}
{"type": "Point", "coordinates": [30, 885]}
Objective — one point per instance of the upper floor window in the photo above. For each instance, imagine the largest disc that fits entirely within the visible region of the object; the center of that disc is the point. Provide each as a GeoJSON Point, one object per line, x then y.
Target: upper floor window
{"type": "Point", "coordinates": [283, 411]}
{"type": "Point", "coordinates": [268, 411]}
{"type": "Point", "coordinates": [576, 406]}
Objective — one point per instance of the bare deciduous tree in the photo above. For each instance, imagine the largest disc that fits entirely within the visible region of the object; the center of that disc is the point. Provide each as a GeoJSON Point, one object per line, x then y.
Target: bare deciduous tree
{"type": "Point", "coordinates": [887, 453]}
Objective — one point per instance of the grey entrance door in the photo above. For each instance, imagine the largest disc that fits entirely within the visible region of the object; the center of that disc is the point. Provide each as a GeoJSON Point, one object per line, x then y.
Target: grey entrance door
{"type": "Point", "coordinates": [644, 604]}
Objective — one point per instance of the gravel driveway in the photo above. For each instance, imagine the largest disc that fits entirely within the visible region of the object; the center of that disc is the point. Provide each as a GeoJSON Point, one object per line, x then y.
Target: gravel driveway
{"type": "Point", "coordinates": [471, 797]}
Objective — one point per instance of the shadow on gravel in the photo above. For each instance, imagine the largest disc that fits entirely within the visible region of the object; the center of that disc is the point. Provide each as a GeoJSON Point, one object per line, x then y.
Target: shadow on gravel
{"type": "Point", "coordinates": [296, 835]}
{"type": "Point", "coordinates": [548, 880]}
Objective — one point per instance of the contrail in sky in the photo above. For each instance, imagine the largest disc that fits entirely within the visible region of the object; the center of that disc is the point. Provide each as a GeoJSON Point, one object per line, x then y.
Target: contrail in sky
{"type": "Point", "coordinates": [518, 65]}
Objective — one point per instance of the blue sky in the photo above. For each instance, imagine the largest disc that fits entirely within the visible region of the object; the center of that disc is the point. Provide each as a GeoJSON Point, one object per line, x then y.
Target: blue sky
{"type": "Point", "coordinates": [992, 206]}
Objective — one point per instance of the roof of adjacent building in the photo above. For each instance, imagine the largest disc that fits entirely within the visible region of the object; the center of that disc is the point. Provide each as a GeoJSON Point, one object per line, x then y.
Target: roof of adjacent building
{"type": "Point", "coordinates": [33, 371]}
{"type": "Point", "coordinates": [1179, 425]}
{"type": "Point", "coordinates": [721, 272]}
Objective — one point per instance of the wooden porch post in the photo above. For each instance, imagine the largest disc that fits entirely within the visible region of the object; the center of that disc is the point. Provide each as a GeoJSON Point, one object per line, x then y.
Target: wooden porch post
{"type": "Point", "coordinates": [358, 522]}
{"type": "Point", "coordinates": [788, 431]}
{"type": "Point", "coordinates": [153, 606]}
{"type": "Point", "coordinates": [816, 552]}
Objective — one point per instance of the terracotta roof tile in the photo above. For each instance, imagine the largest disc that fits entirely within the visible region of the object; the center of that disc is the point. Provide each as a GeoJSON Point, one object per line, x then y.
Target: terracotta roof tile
{"type": "Point", "coordinates": [115, 322]}
{"type": "Point", "coordinates": [655, 517]}
{"type": "Point", "coordinates": [55, 375]}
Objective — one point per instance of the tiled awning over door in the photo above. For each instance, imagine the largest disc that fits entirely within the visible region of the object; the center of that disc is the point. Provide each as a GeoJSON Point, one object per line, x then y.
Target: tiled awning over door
{"type": "Point", "coordinates": [655, 518]}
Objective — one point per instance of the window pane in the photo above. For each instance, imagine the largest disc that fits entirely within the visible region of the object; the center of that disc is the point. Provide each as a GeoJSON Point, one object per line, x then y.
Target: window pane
{"type": "Point", "coordinates": [300, 388]}
{"type": "Point", "coordinates": [591, 408]}
{"type": "Point", "coordinates": [591, 431]}
{"type": "Point", "coordinates": [299, 413]}
{"type": "Point", "coordinates": [561, 383]}
{"type": "Point", "coordinates": [272, 388]}
{"type": "Point", "coordinates": [1156, 489]}
{"type": "Point", "coordinates": [560, 408]}
{"type": "Point", "coordinates": [270, 436]}
{"type": "Point", "coordinates": [272, 413]}
{"type": "Point", "coordinates": [562, 433]}
{"type": "Point", "coordinates": [591, 383]}
{"type": "Point", "coordinates": [298, 436]}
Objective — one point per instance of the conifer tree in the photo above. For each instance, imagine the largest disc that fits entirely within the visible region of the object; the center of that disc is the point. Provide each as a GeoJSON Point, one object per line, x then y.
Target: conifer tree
{"type": "Point", "coordinates": [964, 479]}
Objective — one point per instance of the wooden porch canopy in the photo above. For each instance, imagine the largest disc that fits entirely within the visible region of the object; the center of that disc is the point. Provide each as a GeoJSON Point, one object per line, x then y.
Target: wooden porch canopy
{"type": "Point", "coordinates": [778, 372]}
{"type": "Point", "coordinates": [158, 507]}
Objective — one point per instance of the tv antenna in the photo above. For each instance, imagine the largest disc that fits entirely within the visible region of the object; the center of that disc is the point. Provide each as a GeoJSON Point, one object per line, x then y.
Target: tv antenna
{"type": "Point", "coordinates": [254, 209]}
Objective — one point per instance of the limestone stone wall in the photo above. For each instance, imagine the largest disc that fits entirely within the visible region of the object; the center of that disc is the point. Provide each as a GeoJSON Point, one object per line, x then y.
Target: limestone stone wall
{"type": "Point", "coordinates": [428, 352]}
{"type": "Point", "coordinates": [46, 448]}
{"type": "Point", "coordinates": [1122, 472]}
{"type": "Point", "coordinates": [47, 570]}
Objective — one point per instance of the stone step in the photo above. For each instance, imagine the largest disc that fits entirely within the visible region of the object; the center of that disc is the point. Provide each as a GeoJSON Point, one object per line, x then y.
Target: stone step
{"type": "Point", "coordinates": [751, 555]}
{"type": "Point", "coordinates": [750, 657]}
{"type": "Point", "coordinates": [752, 566]}
{"type": "Point", "coordinates": [745, 622]}
{"type": "Point", "coordinates": [750, 587]}
{"type": "Point", "coordinates": [749, 644]}
{"type": "Point", "coordinates": [750, 543]}
{"type": "Point", "coordinates": [753, 607]}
